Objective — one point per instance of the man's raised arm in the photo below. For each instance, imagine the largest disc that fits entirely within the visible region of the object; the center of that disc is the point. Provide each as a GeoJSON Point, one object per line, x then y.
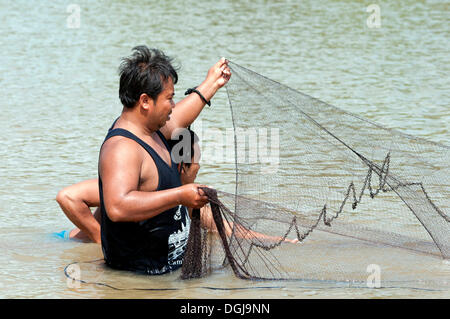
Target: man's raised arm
{"type": "Point", "coordinates": [186, 111]}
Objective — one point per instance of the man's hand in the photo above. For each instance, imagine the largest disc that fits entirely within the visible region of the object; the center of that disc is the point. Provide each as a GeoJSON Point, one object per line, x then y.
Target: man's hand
{"type": "Point", "coordinates": [192, 196]}
{"type": "Point", "coordinates": [219, 74]}
{"type": "Point", "coordinates": [187, 110]}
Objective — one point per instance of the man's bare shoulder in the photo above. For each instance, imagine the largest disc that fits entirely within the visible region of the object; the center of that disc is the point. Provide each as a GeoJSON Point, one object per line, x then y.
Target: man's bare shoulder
{"type": "Point", "coordinates": [120, 149]}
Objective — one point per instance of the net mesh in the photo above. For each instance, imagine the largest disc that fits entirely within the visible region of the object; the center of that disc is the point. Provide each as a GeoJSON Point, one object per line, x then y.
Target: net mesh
{"type": "Point", "coordinates": [351, 192]}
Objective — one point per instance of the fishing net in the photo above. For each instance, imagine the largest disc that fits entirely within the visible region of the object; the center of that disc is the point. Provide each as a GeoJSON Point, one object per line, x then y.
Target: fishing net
{"type": "Point", "coordinates": [356, 196]}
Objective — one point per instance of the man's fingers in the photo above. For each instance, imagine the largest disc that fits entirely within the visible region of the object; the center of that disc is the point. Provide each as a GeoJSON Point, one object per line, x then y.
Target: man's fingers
{"type": "Point", "coordinates": [200, 190]}
{"type": "Point", "coordinates": [202, 202]}
{"type": "Point", "coordinates": [221, 63]}
{"type": "Point", "coordinates": [220, 71]}
{"type": "Point", "coordinates": [203, 197]}
{"type": "Point", "coordinates": [226, 73]}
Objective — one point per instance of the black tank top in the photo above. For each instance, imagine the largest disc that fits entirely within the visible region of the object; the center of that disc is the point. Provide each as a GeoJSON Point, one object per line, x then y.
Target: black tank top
{"type": "Point", "coordinates": [153, 246]}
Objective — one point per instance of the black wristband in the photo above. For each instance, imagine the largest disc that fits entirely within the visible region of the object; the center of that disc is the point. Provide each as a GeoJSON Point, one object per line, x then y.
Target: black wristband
{"type": "Point", "coordinates": [194, 89]}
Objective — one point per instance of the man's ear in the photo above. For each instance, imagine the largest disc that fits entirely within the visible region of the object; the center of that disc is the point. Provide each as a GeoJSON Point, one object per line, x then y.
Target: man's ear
{"type": "Point", "coordinates": [146, 102]}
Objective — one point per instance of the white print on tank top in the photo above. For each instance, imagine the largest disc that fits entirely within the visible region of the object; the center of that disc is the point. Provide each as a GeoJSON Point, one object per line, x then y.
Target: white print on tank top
{"type": "Point", "coordinates": [178, 240]}
{"type": "Point", "coordinates": [177, 215]}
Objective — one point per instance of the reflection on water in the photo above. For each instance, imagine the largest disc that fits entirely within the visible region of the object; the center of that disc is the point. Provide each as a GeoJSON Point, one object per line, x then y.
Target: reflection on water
{"type": "Point", "coordinates": [59, 95]}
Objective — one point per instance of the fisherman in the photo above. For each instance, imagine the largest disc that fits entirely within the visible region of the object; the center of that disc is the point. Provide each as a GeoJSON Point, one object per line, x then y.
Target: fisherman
{"type": "Point", "coordinates": [143, 195]}
{"type": "Point", "coordinates": [142, 200]}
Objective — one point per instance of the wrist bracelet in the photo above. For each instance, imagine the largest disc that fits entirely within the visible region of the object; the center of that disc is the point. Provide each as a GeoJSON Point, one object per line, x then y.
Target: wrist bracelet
{"type": "Point", "coordinates": [194, 89]}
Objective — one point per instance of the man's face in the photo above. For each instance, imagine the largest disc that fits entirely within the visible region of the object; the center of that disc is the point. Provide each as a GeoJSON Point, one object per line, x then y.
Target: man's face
{"type": "Point", "coordinates": [164, 103]}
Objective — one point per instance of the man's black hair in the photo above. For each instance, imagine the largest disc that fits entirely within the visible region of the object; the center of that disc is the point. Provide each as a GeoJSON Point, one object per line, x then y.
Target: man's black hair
{"type": "Point", "coordinates": [145, 71]}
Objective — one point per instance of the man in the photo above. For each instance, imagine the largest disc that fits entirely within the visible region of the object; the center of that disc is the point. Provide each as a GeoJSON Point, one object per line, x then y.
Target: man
{"type": "Point", "coordinates": [144, 223]}
{"type": "Point", "coordinates": [143, 216]}
{"type": "Point", "coordinates": [77, 199]}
